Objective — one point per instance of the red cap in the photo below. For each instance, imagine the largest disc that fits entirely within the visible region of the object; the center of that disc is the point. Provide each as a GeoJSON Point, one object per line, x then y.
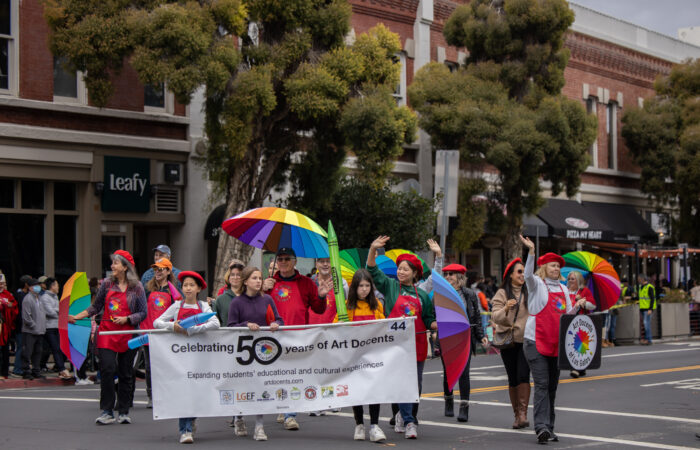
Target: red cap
{"type": "Point", "coordinates": [197, 277]}
{"type": "Point", "coordinates": [455, 268]}
{"type": "Point", "coordinates": [408, 257]}
{"type": "Point", "coordinates": [511, 264]}
{"type": "Point", "coordinates": [551, 257]}
{"type": "Point", "coordinates": [126, 255]}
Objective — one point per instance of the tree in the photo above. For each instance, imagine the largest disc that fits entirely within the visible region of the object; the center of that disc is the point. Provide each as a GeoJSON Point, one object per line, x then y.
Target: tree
{"type": "Point", "coordinates": [503, 109]}
{"type": "Point", "coordinates": [664, 138]}
{"type": "Point", "coordinates": [278, 80]}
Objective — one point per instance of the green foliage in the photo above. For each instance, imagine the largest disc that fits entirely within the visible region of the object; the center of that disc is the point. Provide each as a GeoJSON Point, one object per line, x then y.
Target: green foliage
{"type": "Point", "coordinates": [664, 139]}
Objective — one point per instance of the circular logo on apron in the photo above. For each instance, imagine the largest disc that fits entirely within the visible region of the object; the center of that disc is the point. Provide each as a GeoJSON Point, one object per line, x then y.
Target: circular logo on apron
{"type": "Point", "coordinates": [580, 343]}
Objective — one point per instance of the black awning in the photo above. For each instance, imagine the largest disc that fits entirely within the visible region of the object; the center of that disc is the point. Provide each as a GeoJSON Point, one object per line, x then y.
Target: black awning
{"type": "Point", "coordinates": [572, 220]}
{"type": "Point", "coordinates": [213, 226]}
{"type": "Point", "coordinates": [624, 220]}
{"type": "Point", "coordinates": [534, 227]}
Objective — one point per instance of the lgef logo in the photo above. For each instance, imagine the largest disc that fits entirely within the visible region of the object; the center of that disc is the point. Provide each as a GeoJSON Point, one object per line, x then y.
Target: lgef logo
{"type": "Point", "coordinates": [581, 342]}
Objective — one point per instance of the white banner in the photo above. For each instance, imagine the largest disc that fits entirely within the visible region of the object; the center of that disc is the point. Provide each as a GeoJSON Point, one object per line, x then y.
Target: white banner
{"type": "Point", "coordinates": [225, 373]}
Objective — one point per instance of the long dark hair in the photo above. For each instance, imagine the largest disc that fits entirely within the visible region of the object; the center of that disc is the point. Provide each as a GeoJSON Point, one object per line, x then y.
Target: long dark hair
{"type": "Point", "coordinates": [508, 286]}
{"type": "Point", "coordinates": [362, 275]}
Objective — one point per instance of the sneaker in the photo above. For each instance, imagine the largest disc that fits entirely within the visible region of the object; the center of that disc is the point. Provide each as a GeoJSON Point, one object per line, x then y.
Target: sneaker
{"type": "Point", "coordinates": [290, 423]}
{"type": "Point", "coordinates": [40, 376]}
{"type": "Point", "coordinates": [411, 431]}
{"type": "Point", "coordinates": [574, 374]}
{"type": "Point", "coordinates": [239, 428]}
{"type": "Point", "coordinates": [280, 418]}
{"type": "Point", "coordinates": [80, 382]}
{"type": "Point", "coordinates": [149, 405]}
{"type": "Point", "coordinates": [376, 434]}
{"type": "Point", "coordinates": [359, 432]}
{"type": "Point", "coordinates": [186, 438]}
{"type": "Point", "coordinates": [317, 413]}
{"type": "Point", "coordinates": [27, 377]}
{"type": "Point", "coordinates": [105, 419]}
{"type": "Point", "coordinates": [259, 434]}
{"type": "Point", "coordinates": [399, 428]}
{"type": "Point", "coordinates": [15, 375]}
{"type": "Point", "coordinates": [64, 375]}
{"type": "Point", "coordinates": [554, 437]}
{"type": "Point", "coordinates": [124, 419]}
{"type": "Point", "coordinates": [543, 436]}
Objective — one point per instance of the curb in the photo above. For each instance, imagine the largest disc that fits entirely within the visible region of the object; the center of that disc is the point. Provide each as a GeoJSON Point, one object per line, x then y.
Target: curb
{"type": "Point", "coordinates": [19, 383]}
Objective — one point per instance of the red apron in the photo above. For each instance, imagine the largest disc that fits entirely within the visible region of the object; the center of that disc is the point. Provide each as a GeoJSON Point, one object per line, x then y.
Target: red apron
{"type": "Point", "coordinates": [115, 306]}
{"type": "Point", "coordinates": [407, 305]}
{"type": "Point", "coordinates": [289, 304]}
{"type": "Point", "coordinates": [328, 315]}
{"type": "Point", "coordinates": [157, 303]}
{"type": "Point", "coordinates": [184, 313]}
{"type": "Point", "coordinates": [547, 324]}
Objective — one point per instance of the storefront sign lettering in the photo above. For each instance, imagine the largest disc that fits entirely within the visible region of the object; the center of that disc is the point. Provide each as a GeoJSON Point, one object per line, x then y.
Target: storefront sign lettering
{"type": "Point", "coordinates": [584, 234]}
{"type": "Point", "coordinates": [127, 184]}
{"type": "Point", "coordinates": [134, 184]}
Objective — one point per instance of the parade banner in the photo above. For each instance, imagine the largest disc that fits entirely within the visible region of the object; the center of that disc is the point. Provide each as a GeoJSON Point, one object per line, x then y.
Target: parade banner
{"type": "Point", "coordinates": [225, 372]}
{"type": "Point", "coordinates": [580, 338]}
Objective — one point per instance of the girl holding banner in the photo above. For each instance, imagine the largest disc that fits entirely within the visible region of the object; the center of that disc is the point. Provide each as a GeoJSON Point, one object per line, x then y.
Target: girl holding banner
{"type": "Point", "coordinates": [192, 284]}
{"type": "Point", "coordinates": [547, 300]}
{"type": "Point", "coordinates": [402, 298]}
{"type": "Point", "coordinates": [253, 309]}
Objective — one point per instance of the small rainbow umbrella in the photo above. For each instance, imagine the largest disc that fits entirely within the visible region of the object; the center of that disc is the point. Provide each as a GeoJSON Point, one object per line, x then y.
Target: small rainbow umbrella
{"type": "Point", "coordinates": [274, 228]}
{"type": "Point", "coordinates": [453, 329]}
{"type": "Point", "coordinates": [602, 279]}
{"type": "Point", "coordinates": [74, 337]}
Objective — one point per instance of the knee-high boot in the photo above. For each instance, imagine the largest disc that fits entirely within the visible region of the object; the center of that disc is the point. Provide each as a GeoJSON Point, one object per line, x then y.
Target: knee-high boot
{"type": "Point", "coordinates": [513, 393]}
{"type": "Point", "coordinates": [523, 401]}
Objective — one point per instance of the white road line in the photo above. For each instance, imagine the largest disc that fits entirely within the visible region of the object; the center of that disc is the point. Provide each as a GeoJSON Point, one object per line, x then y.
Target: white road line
{"type": "Point", "coordinates": [473, 369]}
{"type": "Point", "coordinates": [530, 434]}
{"type": "Point", "coordinates": [694, 380]}
{"type": "Point", "coordinates": [62, 399]}
{"type": "Point", "coordinates": [652, 352]}
{"type": "Point", "coordinates": [588, 411]}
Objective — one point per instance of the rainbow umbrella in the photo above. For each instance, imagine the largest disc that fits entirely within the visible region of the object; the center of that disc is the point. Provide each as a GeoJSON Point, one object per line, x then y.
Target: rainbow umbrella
{"type": "Point", "coordinates": [274, 228]}
{"type": "Point", "coordinates": [601, 277]}
{"type": "Point", "coordinates": [393, 254]}
{"type": "Point", "coordinates": [453, 328]}
{"type": "Point", "coordinates": [74, 337]}
{"type": "Point", "coordinates": [352, 259]}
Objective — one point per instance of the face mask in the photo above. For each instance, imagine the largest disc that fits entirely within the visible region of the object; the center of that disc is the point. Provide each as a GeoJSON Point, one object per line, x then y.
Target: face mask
{"type": "Point", "coordinates": [36, 288]}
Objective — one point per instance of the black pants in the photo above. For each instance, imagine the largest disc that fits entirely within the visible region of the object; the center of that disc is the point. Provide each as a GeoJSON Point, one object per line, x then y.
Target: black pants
{"type": "Point", "coordinates": [147, 362]}
{"type": "Point", "coordinates": [358, 411]}
{"type": "Point", "coordinates": [464, 383]}
{"type": "Point", "coordinates": [517, 368]}
{"type": "Point", "coordinates": [31, 353]}
{"type": "Point", "coordinates": [545, 374]}
{"type": "Point", "coordinates": [5, 360]}
{"type": "Point", "coordinates": [52, 343]}
{"type": "Point", "coordinates": [121, 364]}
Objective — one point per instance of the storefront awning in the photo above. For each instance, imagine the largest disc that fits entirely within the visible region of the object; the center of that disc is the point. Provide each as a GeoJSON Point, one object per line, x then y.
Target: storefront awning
{"type": "Point", "coordinates": [572, 220]}
{"type": "Point", "coordinates": [213, 225]}
{"type": "Point", "coordinates": [625, 221]}
{"type": "Point", "coordinates": [534, 227]}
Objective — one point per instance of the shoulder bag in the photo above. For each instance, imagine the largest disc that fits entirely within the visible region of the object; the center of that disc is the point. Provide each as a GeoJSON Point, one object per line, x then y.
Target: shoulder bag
{"type": "Point", "coordinates": [504, 339]}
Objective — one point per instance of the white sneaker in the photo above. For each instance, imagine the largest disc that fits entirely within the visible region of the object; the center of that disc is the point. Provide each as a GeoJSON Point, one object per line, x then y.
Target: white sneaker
{"type": "Point", "coordinates": [105, 419]}
{"type": "Point", "coordinates": [259, 434]}
{"type": "Point", "coordinates": [317, 413]}
{"type": "Point", "coordinates": [411, 431]}
{"type": "Point", "coordinates": [239, 428]}
{"type": "Point", "coordinates": [81, 382]}
{"type": "Point", "coordinates": [376, 434]}
{"type": "Point", "coordinates": [399, 428]}
{"type": "Point", "coordinates": [186, 438]}
{"type": "Point", "coordinates": [359, 432]}
{"type": "Point", "coordinates": [290, 423]}
{"type": "Point", "coordinates": [280, 418]}
{"type": "Point", "coordinates": [124, 419]}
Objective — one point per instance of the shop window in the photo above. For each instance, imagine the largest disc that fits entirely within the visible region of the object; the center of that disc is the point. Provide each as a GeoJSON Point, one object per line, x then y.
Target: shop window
{"type": "Point", "coordinates": [7, 193]}
{"type": "Point", "coordinates": [32, 195]}
{"type": "Point", "coordinates": [64, 196]}
{"type": "Point", "coordinates": [592, 108]}
{"type": "Point", "coordinates": [7, 44]}
{"type": "Point", "coordinates": [22, 244]}
{"type": "Point", "coordinates": [65, 83]}
{"type": "Point", "coordinates": [154, 96]}
{"type": "Point", "coordinates": [65, 244]}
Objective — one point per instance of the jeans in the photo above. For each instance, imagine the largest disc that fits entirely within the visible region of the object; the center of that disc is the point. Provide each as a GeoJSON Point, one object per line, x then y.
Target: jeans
{"type": "Point", "coordinates": [121, 364]}
{"type": "Point", "coordinates": [18, 354]}
{"type": "Point", "coordinates": [287, 415]}
{"type": "Point", "coordinates": [611, 327]}
{"type": "Point", "coordinates": [406, 409]}
{"type": "Point", "coordinates": [185, 424]}
{"type": "Point", "coordinates": [54, 344]}
{"type": "Point", "coordinates": [32, 353]}
{"type": "Point", "coordinates": [647, 323]}
{"type": "Point", "coordinates": [545, 374]}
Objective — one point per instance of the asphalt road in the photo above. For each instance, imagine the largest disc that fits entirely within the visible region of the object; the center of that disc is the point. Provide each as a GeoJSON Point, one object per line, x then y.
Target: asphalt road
{"type": "Point", "coordinates": [645, 397]}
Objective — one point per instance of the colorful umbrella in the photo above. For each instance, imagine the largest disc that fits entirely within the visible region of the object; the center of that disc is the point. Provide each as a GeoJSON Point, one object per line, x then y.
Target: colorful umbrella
{"type": "Point", "coordinates": [602, 279]}
{"type": "Point", "coordinates": [74, 337]}
{"type": "Point", "coordinates": [453, 329]}
{"type": "Point", "coordinates": [352, 259]}
{"type": "Point", "coordinates": [395, 253]}
{"type": "Point", "coordinates": [274, 228]}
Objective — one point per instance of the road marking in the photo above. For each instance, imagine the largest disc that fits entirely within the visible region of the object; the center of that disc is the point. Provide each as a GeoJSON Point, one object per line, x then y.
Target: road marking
{"type": "Point", "coordinates": [652, 352]}
{"type": "Point", "coordinates": [577, 380]}
{"type": "Point", "coordinates": [531, 434]}
{"type": "Point", "coordinates": [62, 399]}
{"type": "Point", "coordinates": [690, 383]}
{"type": "Point", "coordinates": [472, 368]}
{"type": "Point", "coordinates": [591, 411]}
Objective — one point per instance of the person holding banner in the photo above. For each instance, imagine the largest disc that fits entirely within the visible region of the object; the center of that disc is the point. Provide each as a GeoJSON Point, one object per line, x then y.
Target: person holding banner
{"type": "Point", "coordinates": [123, 300]}
{"type": "Point", "coordinates": [232, 288]}
{"type": "Point", "coordinates": [578, 290]}
{"type": "Point", "coordinates": [253, 309]}
{"type": "Point", "coordinates": [192, 284]}
{"type": "Point", "coordinates": [402, 298]}
{"type": "Point", "coordinates": [547, 300]}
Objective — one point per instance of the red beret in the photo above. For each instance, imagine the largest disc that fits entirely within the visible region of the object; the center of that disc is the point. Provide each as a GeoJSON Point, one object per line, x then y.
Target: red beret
{"type": "Point", "coordinates": [126, 255]}
{"type": "Point", "coordinates": [511, 264]}
{"type": "Point", "coordinates": [408, 257]}
{"type": "Point", "coordinates": [551, 257]}
{"type": "Point", "coordinates": [197, 277]}
{"type": "Point", "coordinates": [455, 268]}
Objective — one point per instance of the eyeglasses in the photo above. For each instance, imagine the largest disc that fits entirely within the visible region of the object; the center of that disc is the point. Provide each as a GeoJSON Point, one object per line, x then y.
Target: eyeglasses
{"type": "Point", "coordinates": [285, 258]}
{"type": "Point", "coordinates": [447, 274]}
{"type": "Point", "coordinates": [519, 271]}
{"type": "Point", "coordinates": [160, 269]}
{"type": "Point", "coordinates": [235, 275]}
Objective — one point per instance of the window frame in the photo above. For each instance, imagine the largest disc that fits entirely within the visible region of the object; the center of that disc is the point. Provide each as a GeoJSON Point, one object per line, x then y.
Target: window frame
{"type": "Point", "coordinates": [611, 132]}
{"type": "Point", "coordinates": [401, 95]}
{"type": "Point", "coordinates": [81, 90]}
{"type": "Point", "coordinates": [12, 51]}
{"type": "Point", "coordinates": [168, 102]}
{"type": "Point", "coordinates": [592, 108]}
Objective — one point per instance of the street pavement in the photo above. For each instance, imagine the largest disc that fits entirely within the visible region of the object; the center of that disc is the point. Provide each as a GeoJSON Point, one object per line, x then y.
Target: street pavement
{"type": "Point", "coordinates": [643, 397]}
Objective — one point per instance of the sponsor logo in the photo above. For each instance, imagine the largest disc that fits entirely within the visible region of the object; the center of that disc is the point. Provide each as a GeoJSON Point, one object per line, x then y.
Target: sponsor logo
{"type": "Point", "coordinates": [226, 397]}
{"type": "Point", "coordinates": [576, 223]}
{"type": "Point", "coordinates": [281, 394]}
{"type": "Point", "coordinates": [341, 390]}
{"type": "Point", "coordinates": [266, 350]}
{"type": "Point", "coordinates": [265, 397]}
{"type": "Point", "coordinates": [245, 396]}
{"type": "Point", "coordinates": [581, 342]}
{"type": "Point", "coordinates": [326, 391]}
{"type": "Point", "coordinates": [310, 393]}
{"type": "Point", "coordinates": [295, 393]}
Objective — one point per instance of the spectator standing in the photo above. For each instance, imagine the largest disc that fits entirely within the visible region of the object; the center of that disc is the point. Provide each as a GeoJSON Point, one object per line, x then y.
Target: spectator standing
{"type": "Point", "coordinates": [647, 305]}
{"type": "Point", "coordinates": [160, 252]}
{"type": "Point", "coordinates": [33, 330]}
{"type": "Point", "coordinates": [49, 301]}
{"type": "Point", "coordinates": [19, 343]}
{"type": "Point", "coordinates": [8, 313]}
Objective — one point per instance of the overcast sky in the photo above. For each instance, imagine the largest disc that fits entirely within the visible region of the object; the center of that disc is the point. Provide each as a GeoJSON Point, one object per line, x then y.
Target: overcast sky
{"type": "Point", "coordinates": [664, 16]}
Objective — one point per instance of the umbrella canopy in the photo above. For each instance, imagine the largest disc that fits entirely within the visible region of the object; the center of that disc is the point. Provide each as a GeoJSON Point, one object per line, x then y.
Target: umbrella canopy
{"type": "Point", "coordinates": [274, 228]}
{"type": "Point", "coordinates": [74, 337]}
{"type": "Point", "coordinates": [395, 253]}
{"type": "Point", "coordinates": [601, 277]}
{"type": "Point", "coordinates": [352, 259]}
{"type": "Point", "coordinates": [453, 329]}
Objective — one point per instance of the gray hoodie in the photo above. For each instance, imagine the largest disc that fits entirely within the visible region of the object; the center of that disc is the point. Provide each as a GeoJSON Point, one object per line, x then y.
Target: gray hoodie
{"type": "Point", "coordinates": [33, 315]}
{"type": "Point", "coordinates": [49, 301]}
